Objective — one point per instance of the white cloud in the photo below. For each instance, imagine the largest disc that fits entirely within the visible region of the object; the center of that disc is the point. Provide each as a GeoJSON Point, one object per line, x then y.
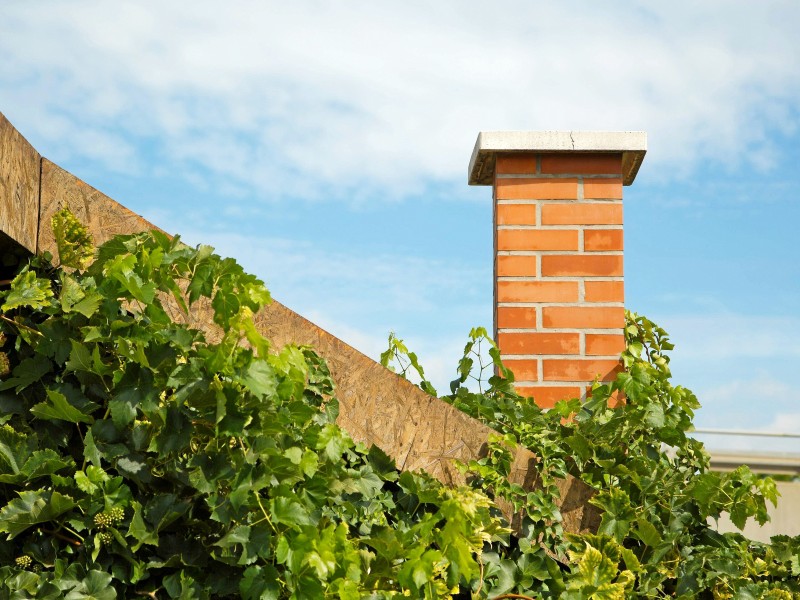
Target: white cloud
{"type": "Point", "coordinates": [786, 423]}
{"type": "Point", "coordinates": [376, 100]}
{"type": "Point", "coordinates": [379, 293]}
{"type": "Point", "coordinates": [760, 404]}
{"type": "Point", "coordinates": [729, 336]}
{"type": "Point", "coordinates": [322, 100]}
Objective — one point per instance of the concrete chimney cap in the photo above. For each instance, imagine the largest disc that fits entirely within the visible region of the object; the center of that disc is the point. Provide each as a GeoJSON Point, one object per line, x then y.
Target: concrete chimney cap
{"type": "Point", "coordinates": [632, 145]}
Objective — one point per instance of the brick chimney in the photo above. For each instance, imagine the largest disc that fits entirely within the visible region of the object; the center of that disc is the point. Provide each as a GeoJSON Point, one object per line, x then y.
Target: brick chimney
{"type": "Point", "coordinates": [558, 263]}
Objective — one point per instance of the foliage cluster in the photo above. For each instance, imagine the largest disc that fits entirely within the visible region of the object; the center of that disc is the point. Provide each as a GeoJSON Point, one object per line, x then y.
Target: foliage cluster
{"type": "Point", "coordinates": [138, 458]}
{"type": "Point", "coordinates": [653, 482]}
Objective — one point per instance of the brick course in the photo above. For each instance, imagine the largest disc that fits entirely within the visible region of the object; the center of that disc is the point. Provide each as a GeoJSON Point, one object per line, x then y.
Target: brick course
{"type": "Point", "coordinates": [536, 189]}
{"type": "Point", "coordinates": [537, 239]}
{"type": "Point", "coordinates": [604, 291]}
{"type": "Point", "coordinates": [581, 213]}
{"type": "Point", "coordinates": [559, 270]}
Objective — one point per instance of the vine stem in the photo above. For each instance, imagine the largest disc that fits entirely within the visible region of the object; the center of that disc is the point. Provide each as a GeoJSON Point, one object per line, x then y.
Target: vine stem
{"type": "Point", "coordinates": [16, 324]}
{"type": "Point", "coordinates": [266, 515]}
{"type": "Point", "coordinates": [61, 536]}
{"type": "Point", "coordinates": [480, 584]}
{"type": "Point", "coordinates": [518, 596]}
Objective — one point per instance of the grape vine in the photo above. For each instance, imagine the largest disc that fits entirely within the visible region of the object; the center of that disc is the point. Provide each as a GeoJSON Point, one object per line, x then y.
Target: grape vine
{"type": "Point", "coordinates": [138, 458]}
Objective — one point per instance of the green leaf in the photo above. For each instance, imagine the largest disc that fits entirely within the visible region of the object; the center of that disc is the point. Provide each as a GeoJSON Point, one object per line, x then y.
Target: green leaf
{"type": "Point", "coordinates": [30, 508]}
{"type": "Point", "coordinates": [739, 514]}
{"type": "Point", "coordinates": [164, 509]}
{"type": "Point", "coordinates": [40, 463]}
{"type": "Point", "coordinates": [294, 454]}
{"type": "Point", "coordinates": [24, 582]}
{"type": "Point", "coordinates": [59, 408]}
{"type": "Point", "coordinates": [309, 463]}
{"type": "Point", "coordinates": [706, 488]}
{"type": "Point", "coordinates": [45, 462]}
{"type": "Point", "coordinates": [84, 484]}
{"type": "Point", "coordinates": [15, 448]}
{"type": "Point", "coordinates": [333, 441]}
{"type": "Point", "coordinates": [80, 358]}
{"type": "Point", "coordinates": [140, 531]}
{"type": "Point", "coordinates": [31, 370]}
{"type": "Point", "coordinates": [260, 378]}
{"type": "Point", "coordinates": [289, 512]}
{"type": "Point", "coordinates": [28, 290]}
{"type": "Point", "coordinates": [260, 583]}
{"type": "Point", "coordinates": [595, 569]}
{"type": "Point", "coordinates": [632, 562]}
{"type": "Point", "coordinates": [71, 292]}
{"type": "Point", "coordinates": [90, 450]}
{"type": "Point", "coordinates": [123, 407]}
{"type": "Point", "coordinates": [617, 512]}
{"type": "Point", "coordinates": [647, 532]}
{"type": "Point", "coordinates": [89, 305]}
{"type": "Point", "coordinates": [654, 415]}
{"type": "Point", "coordinates": [202, 283]}
{"type": "Point", "coordinates": [636, 382]}
{"type": "Point", "coordinates": [226, 304]}
{"type": "Point", "coordinates": [74, 298]}
{"type": "Point", "coordinates": [95, 586]}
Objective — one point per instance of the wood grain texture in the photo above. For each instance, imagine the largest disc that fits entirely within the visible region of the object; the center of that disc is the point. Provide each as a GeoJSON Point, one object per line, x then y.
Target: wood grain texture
{"type": "Point", "coordinates": [19, 186]}
{"type": "Point", "coordinates": [104, 216]}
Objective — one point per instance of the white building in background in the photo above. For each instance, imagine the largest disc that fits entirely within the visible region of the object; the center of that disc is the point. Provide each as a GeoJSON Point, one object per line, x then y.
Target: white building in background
{"type": "Point", "coordinates": [784, 518]}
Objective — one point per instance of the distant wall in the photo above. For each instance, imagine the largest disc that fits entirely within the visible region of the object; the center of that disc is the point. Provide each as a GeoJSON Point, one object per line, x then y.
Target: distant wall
{"type": "Point", "coordinates": [785, 518]}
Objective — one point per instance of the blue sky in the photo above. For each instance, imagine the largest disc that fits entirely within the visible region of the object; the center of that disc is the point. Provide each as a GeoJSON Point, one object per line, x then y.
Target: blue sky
{"type": "Point", "coordinates": [325, 146]}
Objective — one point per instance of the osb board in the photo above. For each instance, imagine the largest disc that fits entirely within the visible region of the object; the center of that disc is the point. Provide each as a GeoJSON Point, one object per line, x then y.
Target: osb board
{"type": "Point", "coordinates": [104, 217]}
{"type": "Point", "coordinates": [19, 186]}
{"type": "Point", "coordinates": [376, 406]}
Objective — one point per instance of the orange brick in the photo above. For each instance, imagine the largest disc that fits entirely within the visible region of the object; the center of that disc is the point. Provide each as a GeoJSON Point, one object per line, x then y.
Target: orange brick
{"type": "Point", "coordinates": [604, 291]}
{"type": "Point", "coordinates": [565, 265]}
{"type": "Point", "coordinates": [524, 188]}
{"type": "Point", "coordinates": [516, 164]}
{"type": "Point", "coordinates": [524, 370]}
{"type": "Point", "coordinates": [596, 189]}
{"type": "Point", "coordinates": [584, 317]}
{"type": "Point", "coordinates": [576, 369]}
{"type": "Point", "coordinates": [582, 164]}
{"type": "Point", "coordinates": [538, 343]}
{"type": "Point", "coordinates": [606, 213]}
{"type": "Point", "coordinates": [602, 239]}
{"type": "Point", "coordinates": [516, 266]}
{"type": "Point", "coordinates": [601, 344]}
{"type": "Point", "coordinates": [515, 214]}
{"type": "Point", "coordinates": [547, 396]}
{"type": "Point", "coordinates": [537, 291]}
{"type": "Point", "coordinates": [537, 239]}
{"type": "Point", "coordinates": [523, 317]}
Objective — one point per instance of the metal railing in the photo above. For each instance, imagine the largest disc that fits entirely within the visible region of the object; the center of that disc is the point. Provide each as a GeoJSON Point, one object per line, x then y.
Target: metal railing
{"type": "Point", "coordinates": [768, 463]}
